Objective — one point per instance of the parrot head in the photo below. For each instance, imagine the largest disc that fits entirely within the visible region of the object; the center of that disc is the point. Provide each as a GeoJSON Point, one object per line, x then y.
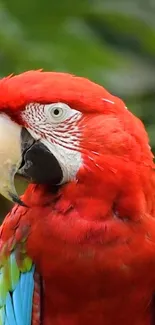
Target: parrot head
{"type": "Point", "coordinates": [56, 128]}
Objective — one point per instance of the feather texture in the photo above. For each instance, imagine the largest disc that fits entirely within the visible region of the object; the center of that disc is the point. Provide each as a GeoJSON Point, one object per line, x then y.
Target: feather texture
{"type": "Point", "coordinates": [16, 291]}
{"type": "Point", "coordinates": [92, 239]}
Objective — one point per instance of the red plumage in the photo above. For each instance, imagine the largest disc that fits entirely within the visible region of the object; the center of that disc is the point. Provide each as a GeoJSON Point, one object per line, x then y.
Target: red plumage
{"type": "Point", "coordinates": [93, 241]}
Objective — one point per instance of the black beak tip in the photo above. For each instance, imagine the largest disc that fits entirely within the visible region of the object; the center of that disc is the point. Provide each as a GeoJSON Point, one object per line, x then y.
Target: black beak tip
{"type": "Point", "coordinates": [17, 200]}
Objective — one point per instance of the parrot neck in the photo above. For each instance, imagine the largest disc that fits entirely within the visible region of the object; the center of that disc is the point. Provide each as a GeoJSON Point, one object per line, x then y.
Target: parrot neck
{"type": "Point", "coordinates": [116, 192]}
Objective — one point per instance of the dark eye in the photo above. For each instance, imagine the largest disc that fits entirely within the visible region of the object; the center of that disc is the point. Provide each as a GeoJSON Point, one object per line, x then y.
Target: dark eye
{"type": "Point", "coordinates": [57, 111]}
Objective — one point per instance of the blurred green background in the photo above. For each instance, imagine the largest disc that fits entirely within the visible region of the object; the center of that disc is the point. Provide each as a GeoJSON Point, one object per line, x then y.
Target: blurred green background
{"type": "Point", "coordinates": [112, 42]}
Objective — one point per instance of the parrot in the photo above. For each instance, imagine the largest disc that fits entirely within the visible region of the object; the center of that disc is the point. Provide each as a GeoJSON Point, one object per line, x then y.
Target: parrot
{"type": "Point", "coordinates": [78, 247]}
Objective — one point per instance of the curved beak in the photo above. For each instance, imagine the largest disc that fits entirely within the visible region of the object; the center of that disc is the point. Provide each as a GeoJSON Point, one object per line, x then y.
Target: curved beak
{"type": "Point", "coordinates": [10, 156]}
{"type": "Point", "coordinates": [20, 153]}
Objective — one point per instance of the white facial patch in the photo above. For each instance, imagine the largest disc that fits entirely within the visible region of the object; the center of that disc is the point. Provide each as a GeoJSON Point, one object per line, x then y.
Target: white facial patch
{"type": "Point", "coordinates": [56, 126]}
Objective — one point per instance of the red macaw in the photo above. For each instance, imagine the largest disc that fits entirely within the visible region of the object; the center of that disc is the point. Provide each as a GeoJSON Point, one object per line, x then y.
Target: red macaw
{"type": "Point", "coordinates": [78, 248]}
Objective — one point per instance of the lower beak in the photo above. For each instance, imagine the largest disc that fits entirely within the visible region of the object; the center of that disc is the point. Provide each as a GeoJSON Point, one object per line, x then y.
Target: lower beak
{"type": "Point", "coordinates": [21, 154]}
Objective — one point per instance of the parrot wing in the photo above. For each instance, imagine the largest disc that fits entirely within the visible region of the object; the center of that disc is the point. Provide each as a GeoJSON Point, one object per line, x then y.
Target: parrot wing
{"type": "Point", "coordinates": [17, 280]}
{"type": "Point", "coordinates": [16, 292]}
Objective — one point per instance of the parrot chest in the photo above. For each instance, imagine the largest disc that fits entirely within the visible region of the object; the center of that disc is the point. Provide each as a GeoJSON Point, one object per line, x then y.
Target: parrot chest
{"type": "Point", "coordinates": [80, 308]}
{"type": "Point", "coordinates": [94, 273]}
{"type": "Point", "coordinates": [86, 291]}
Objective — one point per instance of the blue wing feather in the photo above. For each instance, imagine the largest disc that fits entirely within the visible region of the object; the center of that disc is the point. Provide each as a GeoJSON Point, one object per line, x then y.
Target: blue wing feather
{"type": "Point", "coordinates": [9, 311]}
{"type": "Point", "coordinates": [17, 304]}
{"type": "Point", "coordinates": [7, 322]}
{"type": "Point", "coordinates": [28, 303]}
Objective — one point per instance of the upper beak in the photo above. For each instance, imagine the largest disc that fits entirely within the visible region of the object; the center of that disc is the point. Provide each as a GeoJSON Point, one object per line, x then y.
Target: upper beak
{"type": "Point", "coordinates": [10, 156]}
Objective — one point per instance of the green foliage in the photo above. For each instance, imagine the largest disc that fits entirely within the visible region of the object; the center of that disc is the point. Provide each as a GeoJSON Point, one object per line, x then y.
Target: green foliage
{"type": "Point", "coordinates": [112, 42]}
